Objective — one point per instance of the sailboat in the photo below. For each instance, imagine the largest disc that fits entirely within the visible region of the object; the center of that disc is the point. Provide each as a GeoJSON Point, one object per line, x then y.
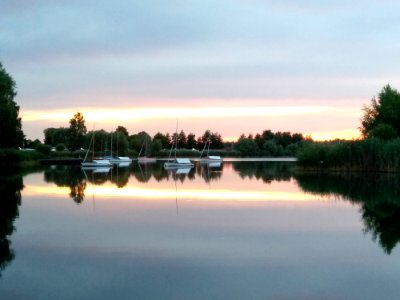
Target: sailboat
{"type": "Point", "coordinates": [212, 160]}
{"type": "Point", "coordinates": [95, 163]}
{"type": "Point", "coordinates": [177, 163]}
{"type": "Point", "coordinates": [145, 159]}
{"type": "Point", "coordinates": [119, 160]}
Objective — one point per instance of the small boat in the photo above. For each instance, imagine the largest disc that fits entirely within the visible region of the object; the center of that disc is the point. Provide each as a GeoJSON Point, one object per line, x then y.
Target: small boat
{"type": "Point", "coordinates": [209, 159]}
{"type": "Point", "coordinates": [145, 159]}
{"type": "Point", "coordinates": [117, 159]}
{"type": "Point", "coordinates": [94, 163]}
{"type": "Point", "coordinates": [177, 163]}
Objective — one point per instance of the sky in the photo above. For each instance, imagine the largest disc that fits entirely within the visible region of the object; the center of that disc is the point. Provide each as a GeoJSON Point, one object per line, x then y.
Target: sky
{"type": "Point", "coordinates": [231, 66]}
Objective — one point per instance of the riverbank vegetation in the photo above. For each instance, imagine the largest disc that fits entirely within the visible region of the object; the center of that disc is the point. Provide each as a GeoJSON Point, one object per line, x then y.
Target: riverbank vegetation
{"type": "Point", "coordinates": [378, 151]}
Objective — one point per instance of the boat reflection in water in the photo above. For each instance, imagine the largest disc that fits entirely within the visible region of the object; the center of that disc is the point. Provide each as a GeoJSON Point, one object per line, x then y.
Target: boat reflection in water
{"type": "Point", "coordinates": [378, 196]}
{"type": "Point", "coordinates": [243, 230]}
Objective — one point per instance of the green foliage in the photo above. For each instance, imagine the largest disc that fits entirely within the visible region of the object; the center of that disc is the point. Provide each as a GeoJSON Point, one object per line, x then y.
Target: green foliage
{"type": "Point", "coordinates": [165, 139]}
{"type": "Point", "coordinates": [123, 130]}
{"type": "Point", "coordinates": [13, 156]}
{"type": "Point", "coordinates": [11, 135]}
{"type": "Point", "coordinates": [77, 131]}
{"type": "Point", "coordinates": [54, 136]}
{"type": "Point", "coordinates": [191, 141]}
{"type": "Point", "coordinates": [364, 155]}
{"type": "Point", "coordinates": [60, 147]}
{"type": "Point", "coordinates": [247, 147]}
{"type": "Point", "coordinates": [270, 144]}
{"type": "Point", "coordinates": [381, 118]}
{"type": "Point", "coordinates": [137, 141]}
{"type": "Point", "coordinates": [44, 149]}
{"type": "Point", "coordinates": [119, 143]}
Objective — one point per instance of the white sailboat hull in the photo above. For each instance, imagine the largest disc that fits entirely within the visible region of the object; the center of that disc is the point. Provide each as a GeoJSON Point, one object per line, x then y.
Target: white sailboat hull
{"type": "Point", "coordinates": [178, 163]}
{"type": "Point", "coordinates": [97, 163]}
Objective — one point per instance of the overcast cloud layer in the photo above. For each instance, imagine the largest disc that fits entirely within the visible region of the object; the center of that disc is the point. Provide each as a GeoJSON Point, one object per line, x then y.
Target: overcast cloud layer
{"type": "Point", "coordinates": [139, 53]}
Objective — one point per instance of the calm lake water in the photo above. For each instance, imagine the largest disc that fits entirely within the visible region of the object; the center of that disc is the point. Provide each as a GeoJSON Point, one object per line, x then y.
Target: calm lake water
{"type": "Point", "coordinates": [245, 230]}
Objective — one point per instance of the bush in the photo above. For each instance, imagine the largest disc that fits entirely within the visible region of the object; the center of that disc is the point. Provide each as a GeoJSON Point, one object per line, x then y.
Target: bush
{"type": "Point", "coordinates": [60, 147]}
{"type": "Point", "coordinates": [364, 155]}
{"type": "Point", "coordinates": [44, 149]}
{"type": "Point", "coordinates": [12, 156]}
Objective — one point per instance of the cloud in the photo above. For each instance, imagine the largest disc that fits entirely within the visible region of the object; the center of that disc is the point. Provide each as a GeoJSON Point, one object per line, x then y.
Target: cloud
{"type": "Point", "coordinates": [65, 53]}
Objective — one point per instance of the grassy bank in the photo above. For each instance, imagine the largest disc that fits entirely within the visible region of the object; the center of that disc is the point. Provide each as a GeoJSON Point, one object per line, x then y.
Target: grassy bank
{"type": "Point", "coordinates": [14, 157]}
{"type": "Point", "coordinates": [370, 155]}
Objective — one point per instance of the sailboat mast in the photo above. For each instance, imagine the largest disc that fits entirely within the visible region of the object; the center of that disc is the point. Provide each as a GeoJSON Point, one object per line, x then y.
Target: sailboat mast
{"type": "Point", "coordinates": [176, 137]}
{"type": "Point", "coordinates": [111, 153]}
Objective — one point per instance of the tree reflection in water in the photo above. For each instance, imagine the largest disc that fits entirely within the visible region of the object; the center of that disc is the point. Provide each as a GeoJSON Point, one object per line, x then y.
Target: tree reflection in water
{"type": "Point", "coordinates": [68, 176]}
{"type": "Point", "coordinates": [10, 200]}
{"type": "Point", "coordinates": [265, 171]}
{"type": "Point", "coordinates": [377, 194]}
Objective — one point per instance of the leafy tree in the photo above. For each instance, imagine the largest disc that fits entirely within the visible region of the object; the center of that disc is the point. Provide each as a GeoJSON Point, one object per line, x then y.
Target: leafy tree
{"type": "Point", "coordinates": [54, 136]}
{"type": "Point", "coordinates": [60, 147]}
{"type": "Point", "coordinates": [44, 149]}
{"type": "Point", "coordinates": [136, 141]}
{"type": "Point", "coordinates": [270, 148]}
{"type": "Point", "coordinates": [216, 141]}
{"type": "Point", "coordinates": [182, 140]}
{"type": "Point", "coordinates": [77, 131]}
{"type": "Point", "coordinates": [191, 141]}
{"type": "Point", "coordinates": [11, 135]}
{"type": "Point", "coordinates": [156, 146]}
{"type": "Point", "coordinates": [246, 146]}
{"type": "Point", "coordinates": [382, 117]}
{"type": "Point", "coordinates": [119, 142]}
{"type": "Point", "coordinates": [164, 139]}
{"type": "Point", "coordinates": [214, 137]}
{"type": "Point", "coordinates": [123, 130]}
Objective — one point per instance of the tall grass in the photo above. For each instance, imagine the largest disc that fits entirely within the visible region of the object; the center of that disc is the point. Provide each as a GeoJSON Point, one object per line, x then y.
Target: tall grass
{"type": "Point", "coordinates": [363, 155]}
{"type": "Point", "coordinates": [18, 157]}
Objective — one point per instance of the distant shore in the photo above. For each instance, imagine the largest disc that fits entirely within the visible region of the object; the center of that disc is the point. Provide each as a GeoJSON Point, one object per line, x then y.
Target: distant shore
{"type": "Point", "coordinates": [250, 159]}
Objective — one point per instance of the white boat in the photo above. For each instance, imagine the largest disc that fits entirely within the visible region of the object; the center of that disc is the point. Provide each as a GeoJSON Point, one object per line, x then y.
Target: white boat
{"type": "Point", "coordinates": [209, 159]}
{"type": "Point", "coordinates": [117, 159]}
{"type": "Point", "coordinates": [145, 159]}
{"type": "Point", "coordinates": [94, 163]}
{"type": "Point", "coordinates": [177, 163]}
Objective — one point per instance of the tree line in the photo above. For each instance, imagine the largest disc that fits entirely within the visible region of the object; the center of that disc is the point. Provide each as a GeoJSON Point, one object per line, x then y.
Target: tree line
{"type": "Point", "coordinates": [378, 150]}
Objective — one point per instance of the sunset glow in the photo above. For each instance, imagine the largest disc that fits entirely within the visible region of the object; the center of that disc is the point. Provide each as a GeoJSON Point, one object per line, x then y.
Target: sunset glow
{"type": "Point", "coordinates": [139, 193]}
{"type": "Point", "coordinates": [132, 114]}
{"type": "Point", "coordinates": [228, 121]}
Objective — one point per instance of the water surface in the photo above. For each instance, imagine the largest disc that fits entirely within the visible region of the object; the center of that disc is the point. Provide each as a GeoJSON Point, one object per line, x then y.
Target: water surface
{"type": "Point", "coordinates": [245, 230]}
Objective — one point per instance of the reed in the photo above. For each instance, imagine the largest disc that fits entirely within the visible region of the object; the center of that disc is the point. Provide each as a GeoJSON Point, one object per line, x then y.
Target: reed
{"type": "Point", "coordinates": [369, 155]}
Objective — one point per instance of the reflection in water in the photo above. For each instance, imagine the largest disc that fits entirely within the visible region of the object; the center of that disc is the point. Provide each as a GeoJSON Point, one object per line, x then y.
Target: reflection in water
{"type": "Point", "coordinates": [67, 176]}
{"type": "Point", "coordinates": [377, 194]}
{"type": "Point", "coordinates": [265, 171]}
{"type": "Point", "coordinates": [10, 200]}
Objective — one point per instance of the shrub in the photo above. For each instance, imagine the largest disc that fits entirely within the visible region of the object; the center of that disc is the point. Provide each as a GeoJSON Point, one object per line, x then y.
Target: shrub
{"type": "Point", "coordinates": [60, 147]}
{"type": "Point", "coordinates": [44, 149]}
